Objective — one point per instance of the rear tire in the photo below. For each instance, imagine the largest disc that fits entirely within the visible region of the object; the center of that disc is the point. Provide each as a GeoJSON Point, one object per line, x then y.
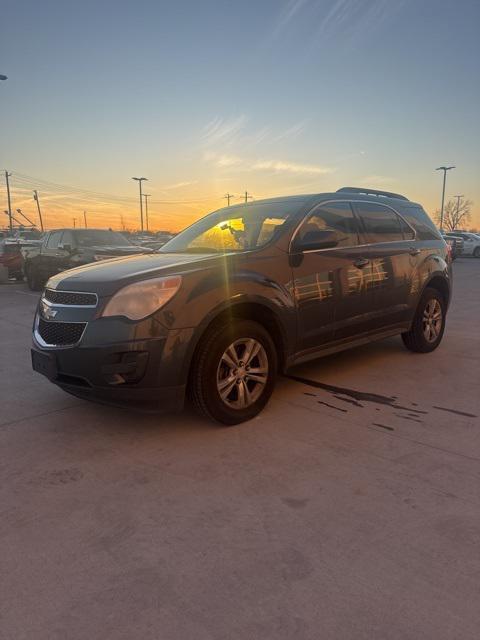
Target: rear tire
{"type": "Point", "coordinates": [476, 253]}
{"type": "Point", "coordinates": [233, 371]}
{"type": "Point", "coordinates": [428, 324]}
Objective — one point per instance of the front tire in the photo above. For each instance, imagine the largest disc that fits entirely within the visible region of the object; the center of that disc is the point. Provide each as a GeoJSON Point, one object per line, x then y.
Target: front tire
{"type": "Point", "coordinates": [428, 324]}
{"type": "Point", "coordinates": [233, 371]}
{"type": "Point", "coordinates": [476, 253]}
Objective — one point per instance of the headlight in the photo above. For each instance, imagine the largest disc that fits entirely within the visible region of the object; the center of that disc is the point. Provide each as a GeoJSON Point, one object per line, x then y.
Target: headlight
{"type": "Point", "coordinates": [141, 299]}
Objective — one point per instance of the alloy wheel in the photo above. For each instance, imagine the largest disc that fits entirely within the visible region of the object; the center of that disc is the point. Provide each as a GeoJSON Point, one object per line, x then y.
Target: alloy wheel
{"type": "Point", "coordinates": [242, 373]}
{"type": "Point", "coordinates": [432, 320]}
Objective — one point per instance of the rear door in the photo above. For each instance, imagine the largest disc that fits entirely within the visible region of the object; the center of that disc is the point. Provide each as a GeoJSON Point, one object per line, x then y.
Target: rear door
{"type": "Point", "coordinates": [393, 254]}
{"type": "Point", "coordinates": [48, 259]}
{"type": "Point", "coordinates": [331, 296]}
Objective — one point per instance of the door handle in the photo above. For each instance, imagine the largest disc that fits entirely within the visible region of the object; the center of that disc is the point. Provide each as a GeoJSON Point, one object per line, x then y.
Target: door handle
{"type": "Point", "coordinates": [361, 262]}
{"type": "Point", "coordinates": [413, 251]}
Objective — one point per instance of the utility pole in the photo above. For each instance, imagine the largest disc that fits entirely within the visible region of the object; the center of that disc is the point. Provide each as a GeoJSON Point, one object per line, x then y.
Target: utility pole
{"type": "Point", "coordinates": [228, 197]}
{"type": "Point", "coordinates": [140, 180]}
{"type": "Point", "coordinates": [19, 211]}
{"type": "Point", "coordinates": [444, 169]}
{"type": "Point", "coordinates": [85, 218]}
{"type": "Point", "coordinates": [146, 195]}
{"type": "Point", "coordinates": [74, 223]}
{"type": "Point", "coordinates": [247, 197]}
{"type": "Point", "coordinates": [7, 175]}
{"type": "Point", "coordinates": [37, 200]}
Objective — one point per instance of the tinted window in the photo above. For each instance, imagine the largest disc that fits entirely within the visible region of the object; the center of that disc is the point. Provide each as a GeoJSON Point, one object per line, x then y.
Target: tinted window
{"type": "Point", "coordinates": [336, 216]}
{"type": "Point", "coordinates": [100, 238]}
{"type": "Point", "coordinates": [408, 232]}
{"type": "Point", "coordinates": [54, 239]}
{"type": "Point", "coordinates": [67, 238]}
{"type": "Point", "coordinates": [380, 224]}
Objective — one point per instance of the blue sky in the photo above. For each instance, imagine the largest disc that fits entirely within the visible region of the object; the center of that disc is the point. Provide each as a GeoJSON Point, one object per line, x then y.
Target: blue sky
{"type": "Point", "coordinates": [284, 96]}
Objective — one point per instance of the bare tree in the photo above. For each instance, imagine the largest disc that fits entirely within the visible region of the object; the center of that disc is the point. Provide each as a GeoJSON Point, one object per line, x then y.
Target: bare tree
{"type": "Point", "coordinates": [455, 214]}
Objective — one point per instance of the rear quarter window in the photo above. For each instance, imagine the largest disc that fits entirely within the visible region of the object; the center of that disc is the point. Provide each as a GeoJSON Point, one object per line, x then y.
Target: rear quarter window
{"type": "Point", "coordinates": [421, 222]}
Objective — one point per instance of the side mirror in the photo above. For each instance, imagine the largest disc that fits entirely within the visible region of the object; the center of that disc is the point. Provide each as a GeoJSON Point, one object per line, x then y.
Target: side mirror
{"type": "Point", "coordinates": [65, 247]}
{"type": "Point", "coordinates": [315, 240]}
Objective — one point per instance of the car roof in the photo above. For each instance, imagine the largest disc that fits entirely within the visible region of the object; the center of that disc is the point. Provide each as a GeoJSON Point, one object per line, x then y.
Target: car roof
{"type": "Point", "coordinates": [366, 195]}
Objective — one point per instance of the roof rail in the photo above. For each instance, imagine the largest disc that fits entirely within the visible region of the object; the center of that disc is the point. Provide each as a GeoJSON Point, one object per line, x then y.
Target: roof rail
{"type": "Point", "coordinates": [372, 192]}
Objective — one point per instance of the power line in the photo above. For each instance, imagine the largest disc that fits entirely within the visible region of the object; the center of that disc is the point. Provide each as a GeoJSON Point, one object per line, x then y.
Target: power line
{"type": "Point", "coordinates": [54, 186]}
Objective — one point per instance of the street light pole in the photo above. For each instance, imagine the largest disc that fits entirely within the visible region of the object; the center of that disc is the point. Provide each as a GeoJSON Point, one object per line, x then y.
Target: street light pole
{"type": "Point", "coordinates": [7, 175]}
{"type": "Point", "coordinates": [444, 169]}
{"type": "Point", "coordinates": [146, 195]}
{"type": "Point", "coordinates": [140, 180]}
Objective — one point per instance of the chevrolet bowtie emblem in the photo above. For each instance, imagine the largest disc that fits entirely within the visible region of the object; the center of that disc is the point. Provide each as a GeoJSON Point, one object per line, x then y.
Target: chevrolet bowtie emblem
{"type": "Point", "coordinates": [47, 312]}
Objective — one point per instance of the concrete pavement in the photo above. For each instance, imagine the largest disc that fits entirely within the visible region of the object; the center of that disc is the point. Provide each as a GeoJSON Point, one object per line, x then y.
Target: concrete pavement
{"type": "Point", "coordinates": [349, 509]}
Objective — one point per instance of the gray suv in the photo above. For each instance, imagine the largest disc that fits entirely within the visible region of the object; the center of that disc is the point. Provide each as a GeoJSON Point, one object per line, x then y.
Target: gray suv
{"type": "Point", "coordinates": [242, 294]}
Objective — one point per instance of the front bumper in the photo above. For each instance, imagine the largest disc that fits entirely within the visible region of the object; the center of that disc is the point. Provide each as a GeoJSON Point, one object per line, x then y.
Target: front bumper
{"type": "Point", "coordinates": [149, 375]}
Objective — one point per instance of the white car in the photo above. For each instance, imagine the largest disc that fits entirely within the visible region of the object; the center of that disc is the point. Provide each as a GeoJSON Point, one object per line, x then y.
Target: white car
{"type": "Point", "coordinates": [471, 242]}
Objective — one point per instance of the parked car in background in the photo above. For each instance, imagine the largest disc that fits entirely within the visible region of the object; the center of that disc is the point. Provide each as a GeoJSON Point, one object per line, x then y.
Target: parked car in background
{"type": "Point", "coordinates": [64, 249]}
{"type": "Point", "coordinates": [456, 244]}
{"type": "Point", "coordinates": [243, 293]}
{"type": "Point", "coordinates": [11, 254]}
{"type": "Point", "coordinates": [471, 242]}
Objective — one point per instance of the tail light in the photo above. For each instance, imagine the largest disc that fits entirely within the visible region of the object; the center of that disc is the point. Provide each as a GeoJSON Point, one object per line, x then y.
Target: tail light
{"type": "Point", "coordinates": [449, 252]}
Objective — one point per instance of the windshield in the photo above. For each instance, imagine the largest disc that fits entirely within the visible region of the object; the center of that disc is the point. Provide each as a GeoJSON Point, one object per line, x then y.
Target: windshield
{"type": "Point", "coordinates": [100, 238]}
{"type": "Point", "coordinates": [237, 229]}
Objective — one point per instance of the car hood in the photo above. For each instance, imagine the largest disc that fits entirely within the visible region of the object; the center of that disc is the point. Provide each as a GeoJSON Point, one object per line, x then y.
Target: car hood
{"type": "Point", "coordinates": [107, 276]}
{"type": "Point", "coordinates": [115, 251]}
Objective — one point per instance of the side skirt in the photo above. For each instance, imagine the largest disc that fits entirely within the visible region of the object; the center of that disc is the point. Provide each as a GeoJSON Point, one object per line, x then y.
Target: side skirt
{"type": "Point", "coordinates": [343, 345]}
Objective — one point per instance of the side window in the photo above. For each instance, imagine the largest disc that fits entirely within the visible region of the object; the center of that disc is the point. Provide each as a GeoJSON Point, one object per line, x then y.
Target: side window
{"type": "Point", "coordinates": [335, 216]}
{"type": "Point", "coordinates": [380, 223]}
{"type": "Point", "coordinates": [67, 238]}
{"type": "Point", "coordinates": [54, 239]}
{"type": "Point", "coordinates": [408, 232]}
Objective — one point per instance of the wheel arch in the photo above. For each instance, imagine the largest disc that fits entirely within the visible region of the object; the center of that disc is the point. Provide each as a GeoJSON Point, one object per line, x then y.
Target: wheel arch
{"type": "Point", "coordinates": [441, 284]}
{"type": "Point", "coordinates": [246, 309]}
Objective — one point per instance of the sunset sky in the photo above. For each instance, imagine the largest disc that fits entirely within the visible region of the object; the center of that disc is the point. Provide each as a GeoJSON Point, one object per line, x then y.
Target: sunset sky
{"type": "Point", "coordinates": [204, 98]}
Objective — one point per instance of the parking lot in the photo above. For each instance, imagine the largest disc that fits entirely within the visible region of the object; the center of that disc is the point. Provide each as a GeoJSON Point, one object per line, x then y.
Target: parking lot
{"type": "Point", "coordinates": [349, 509]}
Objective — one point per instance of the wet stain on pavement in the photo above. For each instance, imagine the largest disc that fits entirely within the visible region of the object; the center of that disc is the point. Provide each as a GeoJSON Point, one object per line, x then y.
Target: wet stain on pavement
{"type": "Point", "coordinates": [458, 413]}
{"type": "Point", "coordinates": [414, 419]}
{"type": "Point", "coordinates": [349, 401]}
{"type": "Point", "coordinates": [383, 426]}
{"type": "Point", "coordinates": [295, 503]}
{"type": "Point", "coordinates": [332, 406]}
{"type": "Point", "coordinates": [58, 477]}
{"type": "Point", "coordinates": [351, 393]}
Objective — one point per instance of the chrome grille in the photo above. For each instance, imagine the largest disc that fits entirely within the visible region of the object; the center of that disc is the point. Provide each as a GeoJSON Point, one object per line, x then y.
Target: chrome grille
{"type": "Point", "coordinates": [60, 333]}
{"type": "Point", "coordinates": [74, 298]}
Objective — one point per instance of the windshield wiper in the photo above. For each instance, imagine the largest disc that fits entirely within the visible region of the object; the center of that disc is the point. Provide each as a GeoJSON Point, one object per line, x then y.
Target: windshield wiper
{"type": "Point", "coordinates": [193, 250]}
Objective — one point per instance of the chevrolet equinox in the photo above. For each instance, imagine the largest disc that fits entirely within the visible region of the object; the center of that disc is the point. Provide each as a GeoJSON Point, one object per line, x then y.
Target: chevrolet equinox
{"type": "Point", "coordinates": [244, 293]}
